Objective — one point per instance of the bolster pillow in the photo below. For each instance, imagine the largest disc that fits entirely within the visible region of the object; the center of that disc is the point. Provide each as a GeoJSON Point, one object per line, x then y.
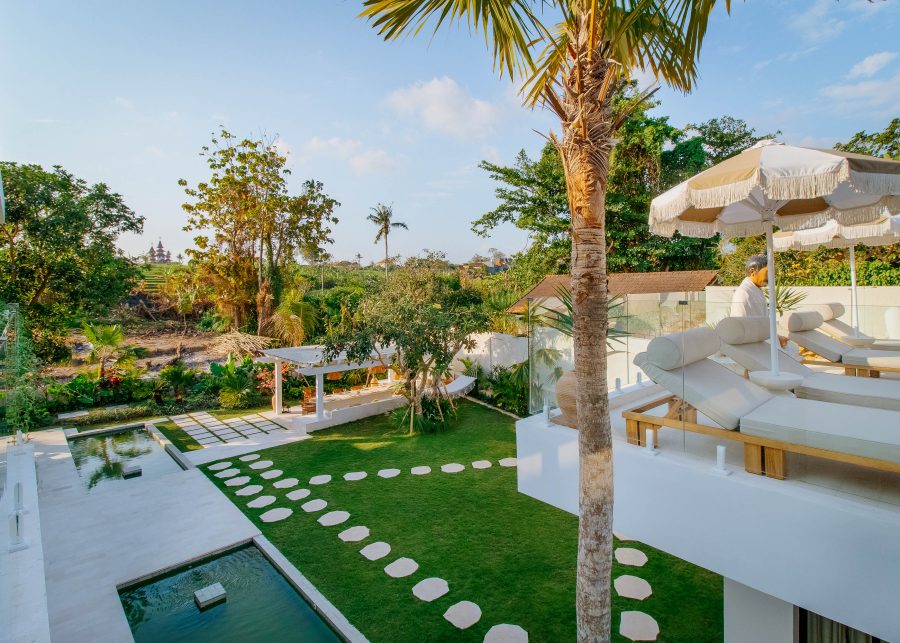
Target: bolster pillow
{"type": "Point", "coordinates": [743, 330]}
{"type": "Point", "coordinates": [680, 349]}
{"type": "Point", "coordinates": [802, 320]}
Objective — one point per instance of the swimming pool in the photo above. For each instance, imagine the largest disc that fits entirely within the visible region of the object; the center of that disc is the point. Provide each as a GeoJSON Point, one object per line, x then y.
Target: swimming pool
{"type": "Point", "coordinates": [100, 459]}
{"type": "Point", "coordinates": [261, 605]}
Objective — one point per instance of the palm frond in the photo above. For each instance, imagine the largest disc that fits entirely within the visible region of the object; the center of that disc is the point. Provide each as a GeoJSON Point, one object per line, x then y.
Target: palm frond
{"type": "Point", "coordinates": [564, 320]}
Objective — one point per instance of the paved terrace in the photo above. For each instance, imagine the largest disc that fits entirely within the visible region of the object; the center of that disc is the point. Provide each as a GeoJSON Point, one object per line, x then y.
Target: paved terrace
{"type": "Point", "coordinates": [95, 542]}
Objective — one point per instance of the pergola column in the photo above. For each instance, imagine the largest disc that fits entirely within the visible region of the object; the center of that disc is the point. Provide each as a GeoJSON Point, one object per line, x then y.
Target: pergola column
{"type": "Point", "coordinates": [320, 396]}
{"type": "Point", "coordinates": [278, 398]}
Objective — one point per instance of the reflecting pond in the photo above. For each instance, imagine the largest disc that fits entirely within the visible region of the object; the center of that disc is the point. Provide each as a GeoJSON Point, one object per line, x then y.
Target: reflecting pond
{"type": "Point", "coordinates": [100, 459]}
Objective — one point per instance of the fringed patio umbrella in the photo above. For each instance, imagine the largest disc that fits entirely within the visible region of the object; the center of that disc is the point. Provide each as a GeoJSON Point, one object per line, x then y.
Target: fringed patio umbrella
{"type": "Point", "coordinates": [772, 184]}
{"type": "Point", "coordinates": [883, 232]}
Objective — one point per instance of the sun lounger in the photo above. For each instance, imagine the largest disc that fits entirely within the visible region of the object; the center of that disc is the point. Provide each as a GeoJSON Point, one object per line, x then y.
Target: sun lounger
{"type": "Point", "coordinates": [803, 327]}
{"type": "Point", "coordinates": [744, 341]}
{"type": "Point", "coordinates": [768, 425]}
{"type": "Point", "coordinates": [842, 331]}
{"type": "Point", "coordinates": [459, 386]}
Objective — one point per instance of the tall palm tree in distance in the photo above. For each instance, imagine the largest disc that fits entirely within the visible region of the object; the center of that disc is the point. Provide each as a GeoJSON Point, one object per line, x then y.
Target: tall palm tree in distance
{"type": "Point", "coordinates": [382, 216]}
{"type": "Point", "coordinates": [573, 58]}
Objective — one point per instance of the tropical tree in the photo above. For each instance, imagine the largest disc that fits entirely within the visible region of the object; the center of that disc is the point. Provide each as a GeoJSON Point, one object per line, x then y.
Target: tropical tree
{"type": "Point", "coordinates": [382, 216]}
{"type": "Point", "coordinates": [295, 320]}
{"type": "Point", "coordinates": [108, 347]}
{"type": "Point", "coordinates": [593, 47]}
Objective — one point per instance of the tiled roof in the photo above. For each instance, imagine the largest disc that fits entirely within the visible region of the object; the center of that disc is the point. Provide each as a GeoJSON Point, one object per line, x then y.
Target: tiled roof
{"type": "Point", "coordinates": [624, 283]}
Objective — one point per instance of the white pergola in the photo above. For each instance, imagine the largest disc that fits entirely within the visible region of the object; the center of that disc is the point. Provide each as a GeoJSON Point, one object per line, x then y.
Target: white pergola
{"type": "Point", "coordinates": [310, 360]}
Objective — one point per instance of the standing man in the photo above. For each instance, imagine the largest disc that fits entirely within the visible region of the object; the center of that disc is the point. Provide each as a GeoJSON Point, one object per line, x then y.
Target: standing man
{"type": "Point", "coordinates": [748, 300]}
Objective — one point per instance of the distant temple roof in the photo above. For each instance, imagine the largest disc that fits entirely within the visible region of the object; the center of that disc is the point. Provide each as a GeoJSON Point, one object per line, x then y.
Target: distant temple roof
{"type": "Point", "coordinates": [624, 283]}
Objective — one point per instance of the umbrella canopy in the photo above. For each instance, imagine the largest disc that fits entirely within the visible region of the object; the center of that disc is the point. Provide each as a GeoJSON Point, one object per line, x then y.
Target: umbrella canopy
{"type": "Point", "coordinates": [884, 232]}
{"type": "Point", "coordinates": [775, 184]}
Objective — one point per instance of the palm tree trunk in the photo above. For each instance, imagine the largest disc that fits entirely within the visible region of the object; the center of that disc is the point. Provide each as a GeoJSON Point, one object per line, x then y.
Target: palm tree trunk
{"type": "Point", "coordinates": [385, 254]}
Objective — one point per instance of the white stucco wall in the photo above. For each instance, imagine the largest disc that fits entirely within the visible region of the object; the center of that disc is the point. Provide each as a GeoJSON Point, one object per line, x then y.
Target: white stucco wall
{"type": "Point", "coordinates": [751, 616]}
{"type": "Point", "coordinates": [494, 349]}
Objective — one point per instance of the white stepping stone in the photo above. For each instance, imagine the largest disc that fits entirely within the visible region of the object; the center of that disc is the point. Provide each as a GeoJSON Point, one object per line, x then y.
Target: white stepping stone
{"type": "Point", "coordinates": [632, 587]}
{"type": "Point", "coordinates": [333, 518]}
{"type": "Point", "coordinates": [507, 462]}
{"type": "Point", "coordinates": [420, 471]}
{"type": "Point", "coordinates": [262, 501]}
{"type": "Point", "coordinates": [430, 589]}
{"type": "Point", "coordinates": [401, 568]}
{"type": "Point", "coordinates": [218, 466]}
{"type": "Point", "coordinates": [354, 534]}
{"type": "Point", "coordinates": [622, 538]}
{"type": "Point", "coordinates": [376, 550]}
{"type": "Point", "coordinates": [389, 473]}
{"type": "Point", "coordinates": [637, 626]}
{"type": "Point", "coordinates": [298, 494]}
{"type": "Point", "coordinates": [250, 457]}
{"type": "Point", "coordinates": [228, 473]}
{"type": "Point", "coordinates": [262, 464]}
{"type": "Point", "coordinates": [355, 475]}
{"type": "Point", "coordinates": [482, 464]}
{"type": "Point", "coordinates": [270, 474]}
{"type": "Point", "coordinates": [506, 633]}
{"type": "Point", "coordinates": [237, 482]}
{"type": "Point", "coordinates": [314, 505]}
{"type": "Point", "coordinates": [249, 490]}
{"type": "Point", "coordinates": [286, 483]}
{"type": "Point", "coordinates": [453, 467]}
{"type": "Point", "coordinates": [630, 556]}
{"type": "Point", "coordinates": [274, 515]}
{"type": "Point", "coordinates": [463, 614]}
{"type": "Point", "coordinates": [324, 479]}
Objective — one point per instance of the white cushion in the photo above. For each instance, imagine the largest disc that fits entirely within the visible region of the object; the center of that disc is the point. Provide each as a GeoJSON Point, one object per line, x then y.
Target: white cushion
{"type": "Point", "coordinates": [825, 310]}
{"type": "Point", "coordinates": [820, 343]}
{"type": "Point", "coordinates": [857, 391]}
{"type": "Point", "coordinates": [678, 349]}
{"type": "Point", "coordinates": [743, 330]}
{"type": "Point", "coordinates": [836, 309]}
{"type": "Point", "coordinates": [718, 393]}
{"type": "Point", "coordinates": [886, 345]}
{"type": "Point", "coordinates": [870, 433]}
{"type": "Point", "coordinates": [866, 357]}
{"type": "Point", "coordinates": [801, 320]}
{"type": "Point", "coordinates": [756, 357]}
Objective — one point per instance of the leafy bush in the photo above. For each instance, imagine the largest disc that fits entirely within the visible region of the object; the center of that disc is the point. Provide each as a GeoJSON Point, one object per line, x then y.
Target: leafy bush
{"type": "Point", "coordinates": [237, 383]}
{"type": "Point", "coordinates": [212, 321]}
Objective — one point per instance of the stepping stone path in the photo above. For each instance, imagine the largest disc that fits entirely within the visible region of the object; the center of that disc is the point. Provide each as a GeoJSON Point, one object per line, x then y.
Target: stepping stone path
{"type": "Point", "coordinates": [452, 468]}
{"type": "Point", "coordinates": [420, 471]}
{"type": "Point", "coordinates": [463, 614]}
{"type": "Point", "coordinates": [632, 587]}
{"type": "Point", "coordinates": [630, 556]}
{"type": "Point", "coordinates": [249, 490]}
{"type": "Point", "coordinates": [249, 457]}
{"type": "Point", "coordinates": [355, 475]}
{"type": "Point", "coordinates": [218, 466]}
{"type": "Point", "coordinates": [481, 464]}
{"type": "Point", "coordinates": [401, 568]}
{"type": "Point", "coordinates": [506, 633]}
{"type": "Point", "coordinates": [271, 473]}
{"type": "Point", "coordinates": [314, 505]}
{"type": "Point", "coordinates": [637, 626]}
{"type": "Point", "coordinates": [261, 501]}
{"type": "Point", "coordinates": [262, 464]}
{"type": "Point", "coordinates": [430, 589]}
{"type": "Point", "coordinates": [298, 494]}
{"type": "Point", "coordinates": [320, 479]}
{"type": "Point", "coordinates": [389, 473]}
{"type": "Point", "coordinates": [286, 483]}
{"type": "Point", "coordinates": [354, 534]}
{"type": "Point", "coordinates": [274, 515]}
{"type": "Point", "coordinates": [228, 473]}
{"type": "Point", "coordinates": [333, 518]}
{"type": "Point", "coordinates": [209, 431]}
{"type": "Point", "coordinates": [238, 482]}
{"type": "Point", "coordinates": [375, 550]}
{"type": "Point", "coordinates": [507, 462]}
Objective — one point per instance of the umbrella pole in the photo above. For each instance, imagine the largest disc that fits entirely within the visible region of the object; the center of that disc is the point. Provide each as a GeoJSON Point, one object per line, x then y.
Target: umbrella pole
{"type": "Point", "coordinates": [854, 300]}
{"type": "Point", "coordinates": [773, 309]}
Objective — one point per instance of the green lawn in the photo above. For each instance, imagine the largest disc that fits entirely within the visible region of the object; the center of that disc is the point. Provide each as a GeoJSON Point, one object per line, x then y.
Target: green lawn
{"type": "Point", "coordinates": [512, 555]}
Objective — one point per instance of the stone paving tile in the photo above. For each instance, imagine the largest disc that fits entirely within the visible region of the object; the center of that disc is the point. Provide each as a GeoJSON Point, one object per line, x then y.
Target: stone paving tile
{"type": "Point", "coordinates": [355, 475]}
{"type": "Point", "coordinates": [420, 471]}
{"type": "Point", "coordinates": [630, 556]}
{"type": "Point", "coordinates": [314, 505]}
{"type": "Point", "coordinates": [637, 626]}
{"type": "Point", "coordinates": [271, 474]}
{"type": "Point", "coordinates": [286, 483]}
{"type": "Point", "coordinates": [463, 615]}
{"type": "Point", "coordinates": [506, 633]}
{"type": "Point", "coordinates": [249, 490]}
{"type": "Point", "coordinates": [333, 518]}
{"type": "Point", "coordinates": [261, 501]}
{"type": "Point", "coordinates": [237, 482]}
{"type": "Point", "coordinates": [482, 464]}
{"type": "Point", "coordinates": [401, 568]}
{"type": "Point", "coordinates": [274, 515]}
{"type": "Point", "coordinates": [507, 462]}
{"type": "Point", "coordinates": [250, 457]}
{"type": "Point", "coordinates": [322, 479]}
{"type": "Point", "coordinates": [430, 589]}
{"type": "Point", "coordinates": [453, 467]}
{"type": "Point", "coordinates": [632, 587]}
{"type": "Point", "coordinates": [261, 464]}
{"type": "Point", "coordinates": [218, 466]}
{"type": "Point", "coordinates": [375, 551]}
{"type": "Point", "coordinates": [228, 473]}
{"type": "Point", "coordinates": [354, 534]}
{"type": "Point", "coordinates": [298, 494]}
{"type": "Point", "coordinates": [389, 473]}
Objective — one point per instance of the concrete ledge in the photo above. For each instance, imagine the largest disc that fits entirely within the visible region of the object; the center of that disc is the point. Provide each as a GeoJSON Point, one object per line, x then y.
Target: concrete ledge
{"type": "Point", "coordinates": [170, 448]}
{"type": "Point", "coordinates": [104, 431]}
{"type": "Point", "coordinates": [314, 597]}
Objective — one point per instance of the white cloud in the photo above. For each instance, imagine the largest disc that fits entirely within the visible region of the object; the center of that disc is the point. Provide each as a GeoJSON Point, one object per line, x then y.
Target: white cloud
{"type": "Point", "coordinates": [121, 101]}
{"type": "Point", "coordinates": [284, 148]}
{"type": "Point", "coordinates": [818, 23]}
{"type": "Point", "coordinates": [871, 65]}
{"type": "Point", "coordinates": [867, 96]}
{"type": "Point", "coordinates": [362, 160]}
{"type": "Point", "coordinates": [442, 105]}
{"type": "Point", "coordinates": [785, 57]}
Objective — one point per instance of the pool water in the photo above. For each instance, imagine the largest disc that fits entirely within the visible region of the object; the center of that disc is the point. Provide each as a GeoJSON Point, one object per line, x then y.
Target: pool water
{"type": "Point", "coordinates": [100, 459]}
{"type": "Point", "coordinates": [260, 606]}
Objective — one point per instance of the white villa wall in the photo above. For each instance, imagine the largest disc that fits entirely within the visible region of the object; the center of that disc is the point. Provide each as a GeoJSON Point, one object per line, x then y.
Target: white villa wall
{"type": "Point", "coordinates": [494, 349]}
{"type": "Point", "coordinates": [751, 616]}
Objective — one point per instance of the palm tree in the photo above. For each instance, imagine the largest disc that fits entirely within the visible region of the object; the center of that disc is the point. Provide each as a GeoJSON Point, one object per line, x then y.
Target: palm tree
{"type": "Point", "coordinates": [587, 50]}
{"type": "Point", "coordinates": [295, 320]}
{"type": "Point", "coordinates": [382, 216]}
{"type": "Point", "coordinates": [107, 345]}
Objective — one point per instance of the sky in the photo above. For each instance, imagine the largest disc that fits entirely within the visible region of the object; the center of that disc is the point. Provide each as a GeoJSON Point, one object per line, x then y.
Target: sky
{"type": "Point", "coordinates": [127, 92]}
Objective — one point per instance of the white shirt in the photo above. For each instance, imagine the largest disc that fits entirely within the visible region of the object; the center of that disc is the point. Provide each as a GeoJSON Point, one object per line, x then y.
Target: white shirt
{"type": "Point", "coordinates": [748, 301]}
